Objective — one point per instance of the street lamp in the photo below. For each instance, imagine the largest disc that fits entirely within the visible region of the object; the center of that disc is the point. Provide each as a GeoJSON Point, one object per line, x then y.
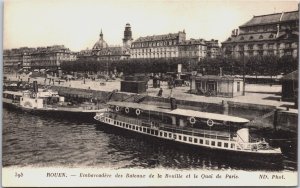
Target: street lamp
{"type": "Point", "coordinates": [244, 74]}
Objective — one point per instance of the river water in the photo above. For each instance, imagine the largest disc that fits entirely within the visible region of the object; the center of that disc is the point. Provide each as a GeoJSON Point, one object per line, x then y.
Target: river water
{"type": "Point", "coordinates": [42, 141]}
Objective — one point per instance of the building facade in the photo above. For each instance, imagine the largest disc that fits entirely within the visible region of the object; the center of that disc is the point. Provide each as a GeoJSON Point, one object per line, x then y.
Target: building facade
{"type": "Point", "coordinates": [157, 46]}
{"type": "Point", "coordinates": [271, 34]}
{"type": "Point", "coordinates": [173, 45]}
{"type": "Point", "coordinates": [36, 58]}
{"type": "Point", "coordinates": [102, 51]}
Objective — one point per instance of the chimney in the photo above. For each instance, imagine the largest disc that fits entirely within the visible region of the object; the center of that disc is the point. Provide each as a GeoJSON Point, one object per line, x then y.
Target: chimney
{"type": "Point", "coordinates": [278, 28]}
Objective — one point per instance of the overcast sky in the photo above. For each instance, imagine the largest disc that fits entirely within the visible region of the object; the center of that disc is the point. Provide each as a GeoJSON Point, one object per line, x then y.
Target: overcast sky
{"type": "Point", "coordinates": [77, 23]}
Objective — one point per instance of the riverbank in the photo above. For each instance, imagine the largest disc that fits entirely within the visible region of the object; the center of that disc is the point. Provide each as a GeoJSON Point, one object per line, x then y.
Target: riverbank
{"type": "Point", "coordinates": [257, 106]}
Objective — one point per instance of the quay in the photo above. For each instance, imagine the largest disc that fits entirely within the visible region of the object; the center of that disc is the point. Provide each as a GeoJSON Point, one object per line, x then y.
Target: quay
{"type": "Point", "coordinates": [261, 105]}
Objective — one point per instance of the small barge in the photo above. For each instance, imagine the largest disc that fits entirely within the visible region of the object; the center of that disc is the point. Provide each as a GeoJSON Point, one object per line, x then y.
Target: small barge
{"type": "Point", "coordinates": [49, 103]}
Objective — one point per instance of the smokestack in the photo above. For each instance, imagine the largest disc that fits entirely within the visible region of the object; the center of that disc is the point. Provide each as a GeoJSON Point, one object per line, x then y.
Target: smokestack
{"type": "Point", "coordinates": [35, 86]}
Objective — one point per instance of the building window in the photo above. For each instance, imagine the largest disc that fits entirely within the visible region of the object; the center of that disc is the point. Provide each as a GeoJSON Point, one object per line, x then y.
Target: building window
{"type": "Point", "coordinates": [250, 46]}
{"type": "Point", "coordinates": [271, 36]}
{"type": "Point", "coordinates": [238, 87]}
{"type": "Point", "coordinates": [261, 37]}
{"type": "Point", "coordinates": [251, 37]}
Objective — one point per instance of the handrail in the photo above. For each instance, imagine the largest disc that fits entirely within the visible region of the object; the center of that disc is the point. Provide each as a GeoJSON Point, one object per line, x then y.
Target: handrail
{"type": "Point", "coordinates": [172, 128]}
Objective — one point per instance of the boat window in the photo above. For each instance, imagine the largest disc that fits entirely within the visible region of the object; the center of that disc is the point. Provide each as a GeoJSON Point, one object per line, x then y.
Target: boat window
{"type": "Point", "coordinates": [129, 126]}
{"type": "Point", "coordinates": [148, 131]}
{"type": "Point", "coordinates": [174, 136]}
{"type": "Point", "coordinates": [114, 122]}
{"type": "Point", "coordinates": [137, 128]}
{"type": "Point", "coordinates": [123, 124]}
{"type": "Point", "coordinates": [144, 129]}
{"type": "Point", "coordinates": [179, 137]}
{"type": "Point", "coordinates": [152, 131]}
{"type": "Point", "coordinates": [219, 144]}
{"type": "Point", "coordinates": [126, 125]}
{"type": "Point", "coordinates": [140, 128]}
{"type": "Point", "coordinates": [207, 142]}
{"type": "Point", "coordinates": [160, 133]}
{"type": "Point", "coordinates": [165, 135]}
{"type": "Point", "coordinates": [156, 132]}
{"type": "Point", "coordinates": [201, 141]}
{"type": "Point", "coordinates": [170, 135]}
{"type": "Point", "coordinates": [213, 143]}
{"type": "Point", "coordinates": [195, 140]}
{"type": "Point", "coordinates": [232, 145]}
{"type": "Point", "coordinates": [184, 138]}
{"type": "Point", "coordinates": [225, 145]}
{"type": "Point", "coordinates": [190, 139]}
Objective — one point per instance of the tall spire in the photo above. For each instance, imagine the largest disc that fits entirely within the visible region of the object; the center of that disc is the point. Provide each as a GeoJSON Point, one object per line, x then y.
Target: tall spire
{"type": "Point", "coordinates": [101, 34]}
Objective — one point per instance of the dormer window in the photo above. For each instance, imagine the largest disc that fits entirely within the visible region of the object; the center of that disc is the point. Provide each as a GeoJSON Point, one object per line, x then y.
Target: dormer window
{"type": "Point", "coordinates": [271, 36]}
{"type": "Point", "coordinates": [229, 39]}
{"type": "Point", "coordinates": [251, 37]}
{"type": "Point", "coordinates": [261, 37]}
{"type": "Point", "coordinates": [242, 38]}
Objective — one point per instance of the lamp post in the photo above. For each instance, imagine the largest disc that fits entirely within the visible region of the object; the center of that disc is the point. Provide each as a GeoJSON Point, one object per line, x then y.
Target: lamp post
{"type": "Point", "coordinates": [244, 74]}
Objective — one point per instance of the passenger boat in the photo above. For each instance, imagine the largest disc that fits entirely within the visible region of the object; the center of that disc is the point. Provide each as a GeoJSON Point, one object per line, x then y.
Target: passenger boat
{"type": "Point", "coordinates": [206, 130]}
{"type": "Point", "coordinates": [48, 102]}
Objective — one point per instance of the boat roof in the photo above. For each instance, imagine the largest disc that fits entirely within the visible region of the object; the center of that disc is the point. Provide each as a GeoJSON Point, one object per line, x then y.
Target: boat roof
{"type": "Point", "coordinates": [148, 107]}
{"type": "Point", "coordinates": [207, 115]}
{"type": "Point", "coordinates": [17, 93]}
{"type": "Point", "coordinates": [181, 112]}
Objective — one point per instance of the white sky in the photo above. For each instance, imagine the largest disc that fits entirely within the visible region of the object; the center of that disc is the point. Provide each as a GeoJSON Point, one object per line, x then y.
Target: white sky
{"type": "Point", "coordinates": [77, 23]}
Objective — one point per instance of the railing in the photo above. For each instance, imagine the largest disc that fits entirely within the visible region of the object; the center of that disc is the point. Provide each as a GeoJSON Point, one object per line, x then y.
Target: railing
{"type": "Point", "coordinates": [171, 128]}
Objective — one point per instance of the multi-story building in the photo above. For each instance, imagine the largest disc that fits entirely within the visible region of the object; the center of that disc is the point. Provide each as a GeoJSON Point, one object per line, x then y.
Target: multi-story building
{"type": "Point", "coordinates": [173, 45]}
{"type": "Point", "coordinates": [213, 48]}
{"type": "Point", "coordinates": [36, 58]}
{"type": "Point", "coordinates": [194, 49]}
{"type": "Point", "coordinates": [50, 57]}
{"type": "Point", "coordinates": [275, 34]}
{"type": "Point", "coordinates": [102, 51]}
{"type": "Point", "coordinates": [157, 46]}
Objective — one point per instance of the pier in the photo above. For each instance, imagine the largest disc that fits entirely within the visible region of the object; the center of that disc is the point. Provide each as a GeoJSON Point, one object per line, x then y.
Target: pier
{"type": "Point", "coordinates": [264, 110]}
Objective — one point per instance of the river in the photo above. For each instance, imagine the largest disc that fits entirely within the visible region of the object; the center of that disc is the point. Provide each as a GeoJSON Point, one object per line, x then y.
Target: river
{"type": "Point", "coordinates": [42, 141]}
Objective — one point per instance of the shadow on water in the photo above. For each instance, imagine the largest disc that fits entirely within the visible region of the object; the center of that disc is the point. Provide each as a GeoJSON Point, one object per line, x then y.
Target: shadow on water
{"type": "Point", "coordinates": [154, 152]}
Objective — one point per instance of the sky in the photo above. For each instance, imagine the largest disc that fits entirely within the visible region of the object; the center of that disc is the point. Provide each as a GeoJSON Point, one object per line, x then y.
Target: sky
{"type": "Point", "coordinates": [77, 23]}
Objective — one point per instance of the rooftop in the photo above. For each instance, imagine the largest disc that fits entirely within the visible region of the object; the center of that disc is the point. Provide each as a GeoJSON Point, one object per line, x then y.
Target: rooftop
{"type": "Point", "coordinates": [272, 18]}
{"type": "Point", "coordinates": [159, 37]}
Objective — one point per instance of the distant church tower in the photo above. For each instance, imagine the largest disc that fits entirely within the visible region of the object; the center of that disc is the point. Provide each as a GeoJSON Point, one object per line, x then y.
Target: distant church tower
{"type": "Point", "coordinates": [127, 36]}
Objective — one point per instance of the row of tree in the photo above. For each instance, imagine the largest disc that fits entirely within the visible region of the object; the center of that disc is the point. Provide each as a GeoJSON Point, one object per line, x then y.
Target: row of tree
{"type": "Point", "coordinates": [255, 65]}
